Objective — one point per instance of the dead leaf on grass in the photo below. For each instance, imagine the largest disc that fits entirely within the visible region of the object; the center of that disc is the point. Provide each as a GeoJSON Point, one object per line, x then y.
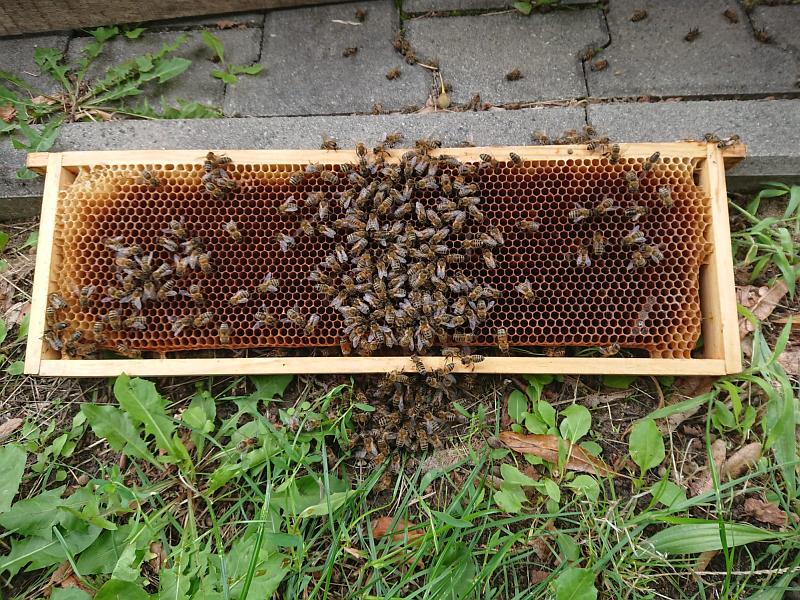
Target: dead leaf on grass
{"type": "Point", "coordinates": [45, 99]}
{"type": "Point", "coordinates": [159, 558]}
{"type": "Point", "coordinates": [741, 460]}
{"type": "Point", "coordinates": [9, 427]}
{"type": "Point", "coordinates": [704, 559]}
{"type": "Point", "coordinates": [789, 359]}
{"type": "Point", "coordinates": [760, 302]}
{"type": "Point", "coordinates": [16, 313]}
{"type": "Point", "coordinates": [704, 481]}
{"type": "Point", "coordinates": [7, 112]}
{"type": "Point", "coordinates": [228, 24]}
{"type": "Point", "coordinates": [546, 447]}
{"type": "Point", "coordinates": [64, 577]}
{"type": "Point", "coordinates": [766, 512]}
{"type": "Point", "coordinates": [382, 526]}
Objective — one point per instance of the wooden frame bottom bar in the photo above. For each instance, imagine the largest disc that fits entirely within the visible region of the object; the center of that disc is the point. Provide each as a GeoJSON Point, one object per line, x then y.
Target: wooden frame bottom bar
{"type": "Point", "coordinates": [379, 364]}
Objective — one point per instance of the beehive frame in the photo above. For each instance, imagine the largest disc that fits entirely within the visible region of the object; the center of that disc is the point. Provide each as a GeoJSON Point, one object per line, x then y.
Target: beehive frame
{"type": "Point", "coordinates": [721, 351]}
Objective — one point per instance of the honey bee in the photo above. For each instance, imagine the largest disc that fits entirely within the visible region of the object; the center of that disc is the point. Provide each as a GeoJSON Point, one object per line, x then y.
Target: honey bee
{"type": "Point", "coordinates": [610, 350]}
{"type": "Point", "coordinates": [652, 252]}
{"type": "Point", "coordinates": [138, 322]}
{"type": "Point", "coordinates": [692, 35]}
{"type": "Point", "coordinates": [598, 243]}
{"type": "Point", "coordinates": [639, 15]}
{"type": "Point", "coordinates": [114, 319]}
{"type": "Point", "coordinates": [265, 319]}
{"type": "Point", "coordinates": [488, 161]}
{"type": "Point", "coordinates": [633, 237]}
{"type": "Point", "coordinates": [665, 196]}
{"type": "Point", "coordinates": [204, 319]}
{"type": "Point", "coordinates": [123, 349]}
{"type": "Point", "coordinates": [635, 212]}
{"type": "Point", "coordinates": [472, 359]}
{"type": "Point", "coordinates": [322, 229]}
{"type": "Point", "coordinates": [195, 293]}
{"type": "Point", "coordinates": [632, 181]}
{"type": "Point", "coordinates": [403, 438]}
{"type": "Point", "coordinates": [613, 156]}
{"type": "Point", "coordinates": [324, 209]}
{"type": "Point", "coordinates": [501, 335]}
{"type": "Point", "coordinates": [329, 177]}
{"type": "Point", "coordinates": [580, 213]}
{"type": "Point", "coordinates": [288, 206]}
{"type": "Point", "coordinates": [488, 258]}
{"type": "Point", "coordinates": [56, 327]}
{"type": "Point", "coordinates": [599, 65]}
{"type": "Point", "coordinates": [650, 162]}
{"type": "Point", "coordinates": [392, 73]}
{"type": "Point", "coordinates": [361, 149]}
{"type": "Point", "coordinates": [307, 228]}
{"type": "Point", "coordinates": [555, 351]}
{"type": "Point", "coordinates": [731, 15]}
{"type": "Point", "coordinates": [540, 138]}
{"type": "Point", "coordinates": [204, 260]}
{"type": "Point", "coordinates": [328, 143]}
{"type": "Point", "coordinates": [166, 291]}
{"type": "Point", "coordinates": [53, 341]}
{"type": "Point", "coordinates": [295, 317]}
{"type": "Point", "coordinates": [604, 206]}
{"type": "Point", "coordinates": [516, 159]}
{"type": "Point", "coordinates": [268, 285]}
{"type": "Point", "coordinates": [526, 290]}
{"type": "Point", "coordinates": [181, 264]}
{"type": "Point", "coordinates": [224, 333]}
{"type": "Point", "coordinates": [181, 323]}
{"type": "Point", "coordinates": [528, 226]}
{"type": "Point", "coordinates": [56, 302]}
{"type": "Point", "coordinates": [284, 241]}
{"type": "Point", "coordinates": [239, 297]}
{"type": "Point", "coordinates": [150, 179]}
{"type": "Point", "coordinates": [232, 229]}
{"type": "Point", "coordinates": [296, 178]}
{"type": "Point", "coordinates": [514, 75]}
{"type": "Point", "coordinates": [162, 271]}
{"type": "Point", "coordinates": [582, 258]}
{"type": "Point", "coordinates": [311, 324]}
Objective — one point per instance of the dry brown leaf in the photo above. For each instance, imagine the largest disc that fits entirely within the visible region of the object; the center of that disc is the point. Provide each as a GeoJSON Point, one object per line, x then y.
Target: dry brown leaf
{"type": "Point", "coordinates": [63, 577]}
{"type": "Point", "coordinates": [704, 481]}
{"type": "Point", "coordinates": [765, 302]}
{"type": "Point", "coordinates": [228, 24]}
{"type": "Point", "coordinates": [794, 317]}
{"type": "Point", "coordinates": [789, 359]}
{"type": "Point", "coordinates": [537, 576]}
{"type": "Point", "coordinates": [9, 427]}
{"type": "Point", "coordinates": [159, 557]}
{"type": "Point", "coordinates": [16, 313]}
{"type": "Point", "coordinates": [683, 389]}
{"type": "Point", "coordinates": [46, 99]}
{"type": "Point", "coordinates": [546, 447]}
{"type": "Point", "coordinates": [7, 112]}
{"type": "Point", "coordinates": [766, 512]}
{"type": "Point", "coordinates": [704, 559]}
{"type": "Point", "coordinates": [381, 526]}
{"type": "Point", "coordinates": [741, 460]}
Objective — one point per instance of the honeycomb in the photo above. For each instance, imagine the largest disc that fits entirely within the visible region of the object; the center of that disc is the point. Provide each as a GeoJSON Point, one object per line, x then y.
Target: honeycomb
{"type": "Point", "coordinates": [655, 309]}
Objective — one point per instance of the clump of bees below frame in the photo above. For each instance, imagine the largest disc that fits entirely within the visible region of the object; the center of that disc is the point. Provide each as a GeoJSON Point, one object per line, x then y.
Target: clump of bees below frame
{"type": "Point", "coordinates": [394, 273]}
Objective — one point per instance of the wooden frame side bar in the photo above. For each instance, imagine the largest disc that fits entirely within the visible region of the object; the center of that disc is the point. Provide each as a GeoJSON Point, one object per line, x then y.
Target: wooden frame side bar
{"type": "Point", "coordinates": [317, 365]}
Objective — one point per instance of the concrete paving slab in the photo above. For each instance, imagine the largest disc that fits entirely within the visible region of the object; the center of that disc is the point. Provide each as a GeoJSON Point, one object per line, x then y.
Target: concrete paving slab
{"type": "Point", "coordinates": [769, 128]}
{"type": "Point", "coordinates": [781, 22]}
{"type": "Point", "coordinates": [652, 58]}
{"type": "Point", "coordinates": [476, 52]}
{"type": "Point", "coordinates": [306, 74]}
{"type": "Point", "coordinates": [16, 57]}
{"type": "Point", "coordinates": [480, 128]}
{"type": "Point", "coordinates": [196, 83]}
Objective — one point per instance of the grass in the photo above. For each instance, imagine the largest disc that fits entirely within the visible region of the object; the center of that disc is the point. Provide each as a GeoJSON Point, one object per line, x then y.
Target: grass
{"type": "Point", "coordinates": [233, 488]}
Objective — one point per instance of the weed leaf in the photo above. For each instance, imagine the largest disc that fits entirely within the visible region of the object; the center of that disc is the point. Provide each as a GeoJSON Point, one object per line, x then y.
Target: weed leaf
{"type": "Point", "coordinates": [269, 386]}
{"type": "Point", "coordinates": [117, 428]}
{"type": "Point", "coordinates": [691, 538]}
{"type": "Point", "coordinates": [213, 42]}
{"type": "Point", "coordinates": [646, 445]}
{"type": "Point", "coordinates": [116, 589]}
{"type": "Point", "coordinates": [140, 399]}
{"type": "Point", "coordinates": [171, 68]}
{"type": "Point", "coordinates": [517, 406]}
{"type": "Point", "coordinates": [575, 583]}
{"type": "Point", "coordinates": [576, 423]}
{"type": "Point", "coordinates": [12, 466]}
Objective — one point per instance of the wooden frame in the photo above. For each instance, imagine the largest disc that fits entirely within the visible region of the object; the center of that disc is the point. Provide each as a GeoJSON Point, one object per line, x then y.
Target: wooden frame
{"type": "Point", "coordinates": [722, 353]}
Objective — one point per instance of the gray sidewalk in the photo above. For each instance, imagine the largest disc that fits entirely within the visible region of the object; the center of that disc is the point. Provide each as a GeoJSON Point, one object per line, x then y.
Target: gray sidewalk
{"type": "Point", "coordinates": [656, 85]}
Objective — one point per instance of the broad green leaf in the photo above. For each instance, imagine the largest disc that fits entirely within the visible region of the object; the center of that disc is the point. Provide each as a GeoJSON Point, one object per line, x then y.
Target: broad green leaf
{"type": "Point", "coordinates": [225, 76]}
{"type": "Point", "coordinates": [517, 406]}
{"type": "Point", "coordinates": [619, 382]}
{"type": "Point", "coordinates": [140, 399]}
{"type": "Point", "coordinates": [680, 407]}
{"type": "Point", "coordinates": [691, 538]}
{"type": "Point", "coordinates": [16, 368]}
{"type": "Point", "coordinates": [794, 202]}
{"type": "Point", "coordinates": [668, 493]}
{"type": "Point", "coordinates": [4, 237]}
{"type": "Point", "coordinates": [103, 555]}
{"type": "Point", "coordinates": [546, 412]}
{"type": "Point", "coordinates": [23, 327]}
{"type": "Point", "coordinates": [585, 485]}
{"type": "Point", "coordinates": [575, 583]}
{"type": "Point", "coordinates": [513, 475]}
{"type": "Point", "coordinates": [3, 331]}
{"type": "Point", "coordinates": [50, 61]}
{"type": "Point", "coordinates": [452, 575]}
{"type": "Point", "coordinates": [25, 174]}
{"type": "Point", "coordinates": [575, 423]}
{"type": "Point", "coordinates": [116, 427]}
{"type": "Point", "coordinates": [270, 568]}
{"type": "Point", "coordinates": [269, 386]}
{"type": "Point", "coordinates": [213, 42]}
{"type": "Point", "coordinates": [69, 593]}
{"type": "Point", "coordinates": [103, 34]}
{"type": "Point", "coordinates": [12, 467]}
{"type": "Point", "coordinates": [552, 490]}
{"type": "Point", "coordinates": [34, 516]}
{"type": "Point", "coordinates": [246, 70]}
{"type": "Point", "coordinates": [336, 499]}
{"type": "Point", "coordinates": [32, 240]}
{"type": "Point", "coordinates": [115, 589]}
{"type": "Point", "coordinates": [170, 68]}
{"type": "Point", "coordinates": [134, 33]}
{"type": "Point", "coordinates": [523, 7]}
{"type": "Point", "coordinates": [782, 432]}
{"type": "Point", "coordinates": [38, 552]}
{"type": "Point", "coordinates": [127, 567]}
{"type": "Point", "coordinates": [509, 498]}
{"type": "Point", "coordinates": [646, 446]}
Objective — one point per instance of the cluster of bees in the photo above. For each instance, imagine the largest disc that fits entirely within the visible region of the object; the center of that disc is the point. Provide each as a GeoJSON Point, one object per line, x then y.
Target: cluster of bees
{"type": "Point", "coordinates": [395, 274]}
